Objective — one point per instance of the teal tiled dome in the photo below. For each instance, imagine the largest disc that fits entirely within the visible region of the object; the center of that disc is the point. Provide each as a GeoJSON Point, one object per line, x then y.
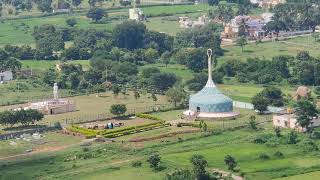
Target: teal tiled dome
{"type": "Point", "coordinates": [211, 100]}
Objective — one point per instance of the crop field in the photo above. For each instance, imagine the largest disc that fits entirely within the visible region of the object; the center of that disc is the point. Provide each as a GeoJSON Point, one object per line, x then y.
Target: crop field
{"type": "Point", "coordinates": [112, 161]}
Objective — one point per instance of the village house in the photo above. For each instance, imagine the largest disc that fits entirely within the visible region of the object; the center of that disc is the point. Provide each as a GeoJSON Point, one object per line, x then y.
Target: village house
{"type": "Point", "coordinates": [254, 27]}
{"type": "Point", "coordinates": [6, 76]}
{"type": "Point", "coordinates": [267, 3]}
{"type": "Point", "coordinates": [136, 14]}
{"type": "Point", "coordinates": [289, 120]}
{"type": "Point", "coordinates": [186, 22]}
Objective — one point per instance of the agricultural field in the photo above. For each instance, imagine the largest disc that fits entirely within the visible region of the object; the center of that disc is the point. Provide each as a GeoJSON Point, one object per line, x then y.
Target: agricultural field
{"type": "Point", "coordinates": [113, 160]}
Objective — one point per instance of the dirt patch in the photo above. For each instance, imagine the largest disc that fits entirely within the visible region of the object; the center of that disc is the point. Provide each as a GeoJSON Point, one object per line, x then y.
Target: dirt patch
{"type": "Point", "coordinates": [172, 134]}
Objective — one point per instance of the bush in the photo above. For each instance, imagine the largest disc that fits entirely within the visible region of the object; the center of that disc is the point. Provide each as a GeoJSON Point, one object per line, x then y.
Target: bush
{"type": "Point", "coordinates": [263, 138]}
{"type": "Point", "coordinates": [148, 116]}
{"type": "Point", "coordinates": [88, 133]}
{"type": "Point", "coordinates": [292, 137]}
{"type": "Point", "coordinates": [57, 125]}
{"type": "Point", "coordinates": [136, 164]}
{"type": "Point", "coordinates": [308, 145]}
{"type": "Point", "coordinates": [278, 154]}
{"type": "Point", "coordinates": [154, 161]}
{"type": "Point", "coordinates": [315, 135]}
{"type": "Point", "coordinates": [273, 142]}
{"type": "Point", "coordinates": [264, 156]}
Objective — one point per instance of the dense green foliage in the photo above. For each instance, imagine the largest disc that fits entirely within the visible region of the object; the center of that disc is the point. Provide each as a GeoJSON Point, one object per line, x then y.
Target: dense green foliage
{"type": "Point", "coordinates": [24, 117]}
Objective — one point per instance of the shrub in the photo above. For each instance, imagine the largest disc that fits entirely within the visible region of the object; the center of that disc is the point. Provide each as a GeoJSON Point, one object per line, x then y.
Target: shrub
{"type": "Point", "coordinates": [278, 154]}
{"type": "Point", "coordinates": [263, 138]}
{"type": "Point", "coordinates": [273, 142]}
{"type": "Point", "coordinates": [154, 161]}
{"type": "Point", "coordinates": [308, 145]}
{"type": "Point", "coordinates": [136, 164]}
{"type": "Point", "coordinates": [148, 116]}
{"type": "Point", "coordinates": [315, 135]}
{"type": "Point", "coordinates": [292, 137]}
{"type": "Point", "coordinates": [57, 125]}
{"type": "Point", "coordinates": [264, 156]}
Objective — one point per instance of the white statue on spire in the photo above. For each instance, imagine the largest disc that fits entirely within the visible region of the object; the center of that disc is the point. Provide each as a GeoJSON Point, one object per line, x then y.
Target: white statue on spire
{"type": "Point", "coordinates": [210, 82]}
{"type": "Point", "coordinates": [55, 91]}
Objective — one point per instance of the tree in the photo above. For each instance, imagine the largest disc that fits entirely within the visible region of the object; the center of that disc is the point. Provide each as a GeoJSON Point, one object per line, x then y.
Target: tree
{"type": "Point", "coordinates": [45, 5]}
{"type": "Point", "coordinates": [199, 166]}
{"type": "Point", "coordinates": [292, 137]}
{"type": "Point", "coordinates": [136, 94]}
{"type": "Point", "coordinates": [162, 81]}
{"type": "Point", "coordinates": [118, 109]}
{"type": "Point", "coordinates": [213, 2]}
{"type": "Point", "coordinates": [115, 89]}
{"type": "Point", "coordinates": [165, 58]}
{"type": "Point", "coordinates": [92, 3]}
{"type": "Point", "coordinates": [273, 95]}
{"type": "Point", "coordinates": [306, 111]}
{"type": "Point", "coordinates": [176, 95]}
{"type": "Point", "coordinates": [154, 161]}
{"type": "Point", "coordinates": [179, 174]}
{"type": "Point", "coordinates": [71, 22]}
{"type": "Point", "coordinates": [129, 34]}
{"type": "Point", "coordinates": [230, 162]}
{"type": "Point", "coordinates": [125, 2]}
{"type": "Point", "coordinates": [74, 80]}
{"type": "Point", "coordinates": [76, 3]}
{"type": "Point", "coordinates": [154, 97]}
{"type": "Point", "coordinates": [96, 14]}
{"type": "Point", "coordinates": [252, 122]}
{"type": "Point", "coordinates": [241, 41]}
{"type": "Point", "coordinates": [260, 103]}
{"type": "Point", "coordinates": [277, 131]}
{"type": "Point", "coordinates": [224, 13]}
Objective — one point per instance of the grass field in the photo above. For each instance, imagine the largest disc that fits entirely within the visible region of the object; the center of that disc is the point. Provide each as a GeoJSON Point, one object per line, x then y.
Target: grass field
{"type": "Point", "coordinates": [90, 106]}
{"type": "Point", "coordinates": [49, 141]}
{"type": "Point", "coordinates": [306, 176]}
{"type": "Point", "coordinates": [112, 161]}
{"type": "Point", "coordinates": [270, 49]}
{"type": "Point", "coordinates": [41, 65]}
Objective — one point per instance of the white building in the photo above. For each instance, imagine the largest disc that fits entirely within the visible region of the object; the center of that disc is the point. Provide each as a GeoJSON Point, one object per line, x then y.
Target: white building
{"type": "Point", "coordinates": [6, 76]}
{"type": "Point", "coordinates": [186, 22]}
{"type": "Point", "coordinates": [136, 14]}
{"type": "Point", "coordinates": [289, 120]}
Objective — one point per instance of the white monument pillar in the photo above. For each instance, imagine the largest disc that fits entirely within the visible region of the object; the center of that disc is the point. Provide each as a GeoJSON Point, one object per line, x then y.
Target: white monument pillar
{"type": "Point", "coordinates": [55, 91]}
{"type": "Point", "coordinates": [210, 82]}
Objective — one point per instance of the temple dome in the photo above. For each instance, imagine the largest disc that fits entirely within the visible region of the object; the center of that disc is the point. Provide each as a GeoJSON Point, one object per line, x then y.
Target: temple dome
{"type": "Point", "coordinates": [210, 100]}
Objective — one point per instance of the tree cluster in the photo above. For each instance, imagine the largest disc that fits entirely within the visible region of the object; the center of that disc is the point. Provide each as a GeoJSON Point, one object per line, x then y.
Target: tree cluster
{"type": "Point", "coordinates": [302, 69]}
{"type": "Point", "coordinates": [295, 15]}
{"type": "Point", "coordinates": [24, 117]}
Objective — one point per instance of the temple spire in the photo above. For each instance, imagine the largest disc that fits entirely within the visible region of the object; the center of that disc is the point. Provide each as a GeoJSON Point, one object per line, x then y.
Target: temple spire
{"type": "Point", "coordinates": [210, 82]}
